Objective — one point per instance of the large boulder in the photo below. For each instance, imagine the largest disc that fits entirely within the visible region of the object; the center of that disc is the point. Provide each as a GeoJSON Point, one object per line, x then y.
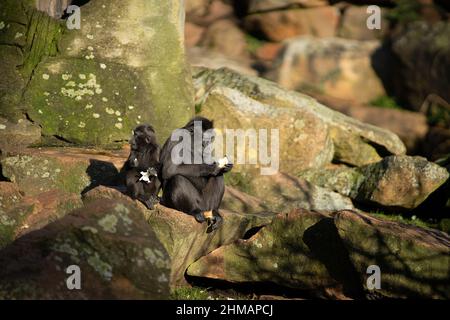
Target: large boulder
{"type": "Point", "coordinates": [423, 53]}
{"type": "Point", "coordinates": [280, 192]}
{"type": "Point", "coordinates": [411, 127]}
{"type": "Point", "coordinates": [329, 255]}
{"type": "Point", "coordinates": [69, 91]}
{"type": "Point", "coordinates": [299, 250]}
{"type": "Point", "coordinates": [395, 182]}
{"type": "Point", "coordinates": [307, 129]}
{"type": "Point", "coordinates": [66, 169]}
{"type": "Point", "coordinates": [413, 262]}
{"type": "Point", "coordinates": [338, 67]}
{"type": "Point", "coordinates": [32, 212]}
{"type": "Point", "coordinates": [117, 252]}
{"type": "Point", "coordinates": [284, 24]}
{"type": "Point", "coordinates": [183, 237]}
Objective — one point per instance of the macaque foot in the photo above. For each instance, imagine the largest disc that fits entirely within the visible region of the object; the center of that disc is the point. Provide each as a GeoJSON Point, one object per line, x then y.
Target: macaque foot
{"type": "Point", "coordinates": [214, 223]}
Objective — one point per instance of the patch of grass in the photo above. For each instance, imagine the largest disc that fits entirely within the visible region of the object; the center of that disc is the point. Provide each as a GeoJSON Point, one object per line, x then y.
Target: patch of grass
{"type": "Point", "coordinates": [190, 293]}
{"type": "Point", "coordinates": [408, 220]}
{"type": "Point", "coordinates": [198, 108]}
{"type": "Point", "coordinates": [253, 43]}
{"type": "Point", "coordinates": [385, 102]}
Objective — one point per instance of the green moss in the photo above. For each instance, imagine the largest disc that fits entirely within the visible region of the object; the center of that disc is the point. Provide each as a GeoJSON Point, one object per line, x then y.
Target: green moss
{"type": "Point", "coordinates": [253, 43]}
{"type": "Point", "coordinates": [404, 218]}
{"type": "Point", "coordinates": [385, 102]}
{"type": "Point", "coordinates": [189, 293]}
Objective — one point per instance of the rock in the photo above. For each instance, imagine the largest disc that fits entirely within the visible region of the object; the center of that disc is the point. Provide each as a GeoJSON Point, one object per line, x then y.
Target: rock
{"type": "Point", "coordinates": [327, 66]}
{"type": "Point", "coordinates": [98, 111]}
{"type": "Point", "coordinates": [184, 238]}
{"type": "Point", "coordinates": [15, 137]}
{"type": "Point", "coordinates": [202, 57]}
{"type": "Point", "coordinates": [353, 24]}
{"type": "Point", "coordinates": [225, 37]}
{"type": "Point", "coordinates": [269, 5]}
{"type": "Point", "coordinates": [284, 24]}
{"type": "Point", "coordinates": [268, 51]}
{"type": "Point", "coordinates": [193, 34]}
{"type": "Point", "coordinates": [401, 181]}
{"type": "Point", "coordinates": [195, 8]}
{"type": "Point", "coordinates": [423, 52]}
{"type": "Point", "coordinates": [235, 101]}
{"type": "Point", "coordinates": [66, 169]}
{"type": "Point", "coordinates": [118, 254]}
{"type": "Point", "coordinates": [26, 37]}
{"type": "Point", "coordinates": [299, 250]}
{"type": "Point", "coordinates": [238, 201]}
{"type": "Point", "coordinates": [10, 195]}
{"type": "Point", "coordinates": [32, 213]}
{"type": "Point", "coordinates": [282, 193]}
{"type": "Point", "coordinates": [411, 127]}
{"type": "Point", "coordinates": [353, 150]}
{"type": "Point", "coordinates": [413, 262]}
{"type": "Point", "coordinates": [54, 8]}
{"type": "Point", "coordinates": [205, 12]}
{"type": "Point", "coordinates": [395, 182]}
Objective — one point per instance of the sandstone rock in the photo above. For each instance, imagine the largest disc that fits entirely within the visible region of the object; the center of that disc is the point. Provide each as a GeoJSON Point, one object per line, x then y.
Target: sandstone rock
{"type": "Point", "coordinates": [117, 252]}
{"type": "Point", "coordinates": [202, 57]}
{"type": "Point", "coordinates": [193, 34]}
{"type": "Point", "coordinates": [282, 193]}
{"type": "Point", "coordinates": [411, 127]}
{"type": "Point", "coordinates": [284, 24]}
{"type": "Point", "coordinates": [10, 195]}
{"type": "Point", "coordinates": [234, 101]}
{"type": "Point", "coordinates": [268, 51]}
{"type": "Point", "coordinates": [224, 36]}
{"type": "Point", "coordinates": [401, 181]}
{"type": "Point", "coordinates": [184, 238]}
{"type": "Point", "coordinates": [32, 213]}
{"type": "Point", "coordinates": [395, 182]}
{"type": "Point", "coordinates": [353, 24]}
{"type": "Point", "coordinates": [414, 262]}
{"type": "Point", "coordinates": [26, 36]}
{"type": "Point", "coordinates": [54, 8]}
{"type": "Point", "coordinates": [337, 67]}
{"type": "Point", "coordinates": [298, 250]}
{"type": "Point", "coordinates": [17, 136]}
{"type": "Point", "coordinates": [238, 201]}
{"type": "Point", "coordinates": [66, 169]}
{"type": "Point", "coordinates": [268, 5]}
{"type": "Point", "coordinates": [424, 54]}
{"type": "Point", "coordinates": [145, 64]}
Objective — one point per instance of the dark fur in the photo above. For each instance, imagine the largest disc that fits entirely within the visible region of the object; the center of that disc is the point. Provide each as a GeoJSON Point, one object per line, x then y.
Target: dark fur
{"type": "Point", "coordinates": [192, 188]}
{"type": "Point", "coordinates": [144, 154]}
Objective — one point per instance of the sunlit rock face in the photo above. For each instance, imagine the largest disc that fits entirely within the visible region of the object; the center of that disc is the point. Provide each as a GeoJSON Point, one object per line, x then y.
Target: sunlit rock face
{"type": "Point", "coordinates": [92, 86]}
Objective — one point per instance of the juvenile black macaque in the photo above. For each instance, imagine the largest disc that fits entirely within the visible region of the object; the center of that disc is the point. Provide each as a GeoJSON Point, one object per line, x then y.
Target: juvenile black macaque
{"type": "Point", "coordinates": [196, 189]}
{"type": "Point", "coordinates": [142, 166]}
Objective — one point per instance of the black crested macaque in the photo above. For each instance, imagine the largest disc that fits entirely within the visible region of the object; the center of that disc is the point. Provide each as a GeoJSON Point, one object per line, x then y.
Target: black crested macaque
{"type": "Point", "coordinates": [142, 166]}
{"type": "Point", "coordinates": [196, 189]}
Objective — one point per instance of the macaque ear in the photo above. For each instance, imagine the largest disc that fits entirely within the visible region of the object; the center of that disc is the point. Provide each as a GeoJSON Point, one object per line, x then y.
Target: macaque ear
{"type": "Point", "coordinates": [148, 139]}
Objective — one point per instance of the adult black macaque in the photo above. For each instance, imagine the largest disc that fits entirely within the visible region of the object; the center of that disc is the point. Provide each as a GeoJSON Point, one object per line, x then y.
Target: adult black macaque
{"type": "Point", "coordinates": [196, 189]}
{"type": "Point", "coordinates": [142, 166]}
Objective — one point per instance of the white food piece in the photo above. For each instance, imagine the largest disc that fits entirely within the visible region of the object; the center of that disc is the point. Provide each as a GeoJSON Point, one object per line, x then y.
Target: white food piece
{"type": "Point", "coordinates": [223, 162]}
{"type": "Point", "coordinates": [145, 176]}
